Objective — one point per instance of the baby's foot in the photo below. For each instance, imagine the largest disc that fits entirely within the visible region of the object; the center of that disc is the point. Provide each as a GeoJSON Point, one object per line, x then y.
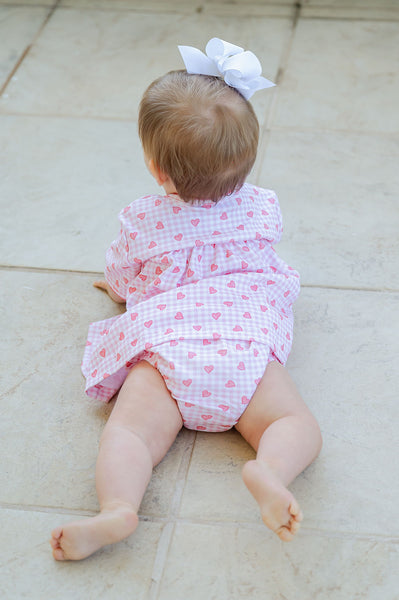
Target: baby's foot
{"type": "Point", "coordinates": [279, 509]}
{"type": "Point", "coordinates": [79, 539]}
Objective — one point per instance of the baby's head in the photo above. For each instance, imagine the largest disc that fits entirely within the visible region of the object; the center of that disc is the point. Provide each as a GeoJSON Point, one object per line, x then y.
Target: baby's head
{"type": "Point", "coordinates": [200, 132]}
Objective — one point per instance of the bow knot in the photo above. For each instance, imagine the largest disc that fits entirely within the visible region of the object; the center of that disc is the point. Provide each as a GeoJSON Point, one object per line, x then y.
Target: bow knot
{"type": "Point", "coordinates": [240, 69]}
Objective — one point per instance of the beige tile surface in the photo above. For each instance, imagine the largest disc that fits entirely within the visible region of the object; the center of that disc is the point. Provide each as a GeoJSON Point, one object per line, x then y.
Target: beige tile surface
{"type": "Point", "coordinates": [98, 63]}
{"type": "Point", "coordinates": [237, 562]}
{"type": "Point", "coordinates": [69, 160]}
{"type": "Point", "coordinates": [69, 179]}
{"type": "Point", "coordinates": [323, 88]}
{"type": "Point", "coordinates": [18, 27]}
{"type": "Point", "coordinates": [343, 361]}
{"type": "Point", "coordinates": [46, 319]}
{"type": "Point", "coordinates": [27, 569]}
{"type": "Point", "coordinates": [339, 198]}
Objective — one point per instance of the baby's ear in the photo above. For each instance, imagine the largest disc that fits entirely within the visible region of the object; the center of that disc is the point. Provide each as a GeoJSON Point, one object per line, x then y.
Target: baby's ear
{"type": "Point", "coordinates": [156, 172]}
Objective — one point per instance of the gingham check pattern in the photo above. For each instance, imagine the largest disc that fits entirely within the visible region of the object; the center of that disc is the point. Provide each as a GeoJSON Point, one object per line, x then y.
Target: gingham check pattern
{"type": "Point", "coordinates": [200, 271]}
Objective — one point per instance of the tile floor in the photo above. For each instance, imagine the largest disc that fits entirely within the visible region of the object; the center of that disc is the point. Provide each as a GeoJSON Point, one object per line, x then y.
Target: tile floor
{"type": "Point", "coordinates": [71, 75]}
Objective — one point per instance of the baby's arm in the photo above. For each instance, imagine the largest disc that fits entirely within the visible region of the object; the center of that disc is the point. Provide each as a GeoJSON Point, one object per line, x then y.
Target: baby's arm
{"type": "Point", "coordinates": [103, 285]}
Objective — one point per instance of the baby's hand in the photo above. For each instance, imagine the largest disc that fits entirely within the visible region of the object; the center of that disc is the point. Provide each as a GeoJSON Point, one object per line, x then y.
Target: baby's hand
{"type": "Point", "coordinates": [103, 285]}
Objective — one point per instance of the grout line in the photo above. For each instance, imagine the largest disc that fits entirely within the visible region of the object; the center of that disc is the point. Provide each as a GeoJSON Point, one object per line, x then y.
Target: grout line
{"type": "Point", "coordinates": [28, 48]}
{"type": "Point", "coordinates": [54, 271]}
{"type": "Point", "coordinates": [168, 531]}
{"type": "Point", "coordinates": [270, 111]}
{"type": "Point", "coordinates": [170, 523]}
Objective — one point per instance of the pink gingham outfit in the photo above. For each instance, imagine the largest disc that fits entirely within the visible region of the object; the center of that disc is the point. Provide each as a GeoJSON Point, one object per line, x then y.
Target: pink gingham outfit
{"type": "Point", "coordinates": [208, 302]}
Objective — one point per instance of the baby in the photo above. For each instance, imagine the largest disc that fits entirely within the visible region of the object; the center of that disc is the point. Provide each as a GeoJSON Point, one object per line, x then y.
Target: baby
{"type": "Point", "coordinates": [208, 322]}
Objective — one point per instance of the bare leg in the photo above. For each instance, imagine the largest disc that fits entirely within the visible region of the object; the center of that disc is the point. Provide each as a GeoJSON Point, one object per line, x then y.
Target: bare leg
{"type": "Point", "coordinates": [287, 438]}
{"type": "Point", "coordinates": [143, 425]}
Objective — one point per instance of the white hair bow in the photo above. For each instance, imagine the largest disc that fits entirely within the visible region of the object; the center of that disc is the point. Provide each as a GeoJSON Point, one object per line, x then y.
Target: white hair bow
{"type": "Point", "coordinates": [240, 70]}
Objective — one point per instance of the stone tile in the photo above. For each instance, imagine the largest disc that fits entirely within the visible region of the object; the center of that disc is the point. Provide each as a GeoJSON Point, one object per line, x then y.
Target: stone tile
{"type": "Point", "coordinates": [18, 27]}
{"type": "Point", "coordinates": [362, 13]}
{"type": "Point", "coordinates": [49, 428]}
{"type": "Point", "coordinates": [321, 88]}
{"type": "Point", "coordinates": [349, 381]}
{"type": "Point", "coordinates": [68, 178]}
{"type": "Point", "coordinates": [98, 63]}
{"type": "Point", "coordinates": [28, 570]}
{"type": "Point", "coordinates": [339, 205]}
{"type": "Point", "coordinates": [237, 562]}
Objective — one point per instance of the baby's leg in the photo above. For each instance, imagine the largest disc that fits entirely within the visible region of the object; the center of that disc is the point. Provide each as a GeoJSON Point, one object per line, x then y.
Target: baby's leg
{"type": "Point", "coordinates": [286, 437]}
{"type": "Point", "coordinates": [143, 425]}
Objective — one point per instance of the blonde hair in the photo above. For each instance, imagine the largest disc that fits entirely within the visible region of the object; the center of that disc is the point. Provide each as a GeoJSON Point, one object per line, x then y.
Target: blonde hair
{"type": "Point", "coordinates": [200, 132]}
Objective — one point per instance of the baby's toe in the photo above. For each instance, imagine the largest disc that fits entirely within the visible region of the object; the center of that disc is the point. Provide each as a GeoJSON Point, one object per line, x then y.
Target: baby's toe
{"type": "Point", "coordinates": [58, 554]}
{"type": "Point", "coordinates": [285, 534]}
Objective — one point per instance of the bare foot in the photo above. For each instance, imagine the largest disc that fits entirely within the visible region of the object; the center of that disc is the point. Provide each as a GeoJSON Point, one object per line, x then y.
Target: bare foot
{"type": "Point", "coordinates": [279, 509]}
{"type": "Point", "coordinates": [79, 539]}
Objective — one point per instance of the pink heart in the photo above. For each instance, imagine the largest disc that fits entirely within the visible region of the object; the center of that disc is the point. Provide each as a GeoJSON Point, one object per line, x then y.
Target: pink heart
{"type": "Point", "coordinates": [241, 366]}
{"type": "Point", "coordinates": [190, 273]}
{"type": "Point", "coordinates": [240, 227]}
{"type": "Point", "coordinates": [237, 328]}
{"type": "Point", "coordinates": [265, 331]}
{"type": "Point", "coordinates": [191, 354]}
{"type": "Point", "coordinates": [230, 384]}
{"type": "Point", "coordinates": [212, 290]}
{"type": "Point", "coordinates": [141, 215]}
{"type": "Point", "coordinates": [247, 315]}
{"type": "Point", "coordinates": [197, 327]}
{"type": "Point", "coordinates": [148, 323]}
{"type": "Point", "coordinates": [254, 287]}
{"type": "Point", "coordinates": [188, 404]}
{"type": "Point", "coordinates": [209, 368]}
{"type": "Point", "coordinates": [176, 270]}
{"type": "Point", "coordinates": [216, 336]}
{"type": "Point", "coordinates": [151, 245]}
{"type": "Point", "coordinates": [270, 282]}
{"type": "Point", "coordinates": [161, 306]}
{"type": "Point", "coordinates": [238, 200]}
{"type": "Point", "coordinates": [216, 315]}
{"type": "Point", "coordinates": [160, 225]}
{"type": "Point", "coordinates": [173, 343]}
{"type": "Point", "coordinates": [223, 216]}
{"type": "Point", "coordinates": [223, 407]}
{"type": "Point", "coordinates": [180, 296]}
{"type": "Point", "coordinates": [205, 394]}
{"type": "Point", "coordinates": [195, 222]}
{"type": "Point", "coordinates": [206, 342]}
{"type": "Point", "coordinates": [169, 330]}
{"type": "Point", "coordinates": [222, 352]}
{"type": "Point", "coordinates": [134, 342]}
{"type": "Point", "coordinates": [199, 243]}
{"type": "Point", "coordinates": [121, 336]}
{"type": "Point", "coordinates": [244, 400]}
{"type": "Point", "coordinates": [178, 237]}
{"type": "Point", "coordinates": [231, 284]}
{"type": "Point", "coordinates": [94, 373]}
{"type": "Point", "coordinates": [263, 308]}
{"type": "Point", "coordinates": [287, 293]}
{"type": "Point", "coordinates": [214, 267]}
{"type": "Point", "coordinates": [244, 264]}
{"type": "Point", "coordinates": [250, 213]}
{"type": "Point", "coordinates": [228, 253]}
{"type": "Point", "coordinates": [228, 303]}
{"type": "Point", "coordinates": [176, 209]}
{"type": "Point", "coordinates": [133, 235]}
{"type": "Point", "coordinates": [179, 315]}
{"type": "Point", "coordinates": [102, 353]}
